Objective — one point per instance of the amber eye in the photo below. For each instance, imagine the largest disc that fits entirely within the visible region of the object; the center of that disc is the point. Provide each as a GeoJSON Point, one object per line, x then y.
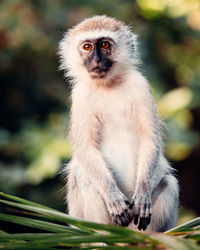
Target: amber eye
{"type": "Point", "coordinates": [105, 45]}
{"type": "Point", "coordinates": [87, 46]}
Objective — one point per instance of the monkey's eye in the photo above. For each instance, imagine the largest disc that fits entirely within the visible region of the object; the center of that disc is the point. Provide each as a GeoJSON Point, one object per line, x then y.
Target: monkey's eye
{"type": "Point", "coordinates": [87, 46]}
{"type": "Point", "coordinates": [105, 45]}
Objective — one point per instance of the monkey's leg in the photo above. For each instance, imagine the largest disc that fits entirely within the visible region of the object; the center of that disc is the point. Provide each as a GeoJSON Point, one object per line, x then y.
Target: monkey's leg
{"type": "Point", "coordinates": [74, 198]}
{"type": "Point", "coordinates": [82, 198]}
{"type": "Point", "coordinates": [165, 200]}
{"type": "Point", "coordinates": [164, 206]}
{"type": "Point", "coordinates": [86, 203]}
{"type": "Point", "coordinates": [94, 208]}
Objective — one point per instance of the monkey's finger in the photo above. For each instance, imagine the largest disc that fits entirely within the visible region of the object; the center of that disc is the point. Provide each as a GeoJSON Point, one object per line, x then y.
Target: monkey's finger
{"type": "Point", "coordinates": [141, 214]}
{"type": "Point", "coordinates": [144, 215]}
{"type": "Point", "coordinates": [148, 212]}
{"type": "Point", "coordinates": [136, 215]}
{"type": "Point", "coordinates": [124, 215]}
{"type": "Point", "coordinates": [124, 220]}
{"type": "Point", "coordinates": [136, 219]}
{"type": "Point", "coordinates": [148, 219]}
{"type": "Point", "coordinates": [136, 211]}
{"type": "Point", "coordinates": [146, 223]}
{"type": "Point", "coordinates": [113, 209]}
{"type": "Point", "coordinates": [118, 219]}
{"type": "Point", "coordinates": [127, 202]}
{"type": "Point", "coordinates": [131, 205]}
{"type": "Point", "coordinates": [142, 224]}
{"type": "Point", "coordinates": [114, 219]}
{"type": "Point", "coordinates": [120, 207]}
{"type": "Point", "coordinates": [127, 215]}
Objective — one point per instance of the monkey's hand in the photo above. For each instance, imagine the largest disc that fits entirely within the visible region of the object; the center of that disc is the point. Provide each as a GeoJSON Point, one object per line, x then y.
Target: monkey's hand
{"type": "Point", "coordinates": [141, 204]}
{"type": "Point", "coordinates": [118, 208]}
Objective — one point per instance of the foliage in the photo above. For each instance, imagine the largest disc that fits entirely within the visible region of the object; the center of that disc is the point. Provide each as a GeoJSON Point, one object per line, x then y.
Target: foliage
{"type": "Point", "coordinates": [57, 233]}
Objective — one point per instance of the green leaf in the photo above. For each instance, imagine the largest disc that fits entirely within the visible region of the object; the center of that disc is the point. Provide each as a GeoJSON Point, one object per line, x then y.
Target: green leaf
{"type": "Point", "coordinates": [84, 225]}
{"type": "Point", "coordinates": [175, 242]}
{"type": "Point", "coordinates": [2, 232]}
{"type": "Point", "coordinates": [114, 247]}
{"type": "Point", "coordinates": [110, 239]}
{"type": "Point", "coordinates": [25, 236]}
{"type": "Point", "coordinates": [43, 225]}
{"type": "Point", "coordinates": [187, 225]}
{"type": "Point", "coordinates": [21, 246]}
{"type": "Point", "coordinates": [49, 214]}
{"type": "Point", "coordinates": [87, 232]}
{"type": "Point", "coordinates": [194, 235]}
{"type": "Point", "coordinates": [23, 201]}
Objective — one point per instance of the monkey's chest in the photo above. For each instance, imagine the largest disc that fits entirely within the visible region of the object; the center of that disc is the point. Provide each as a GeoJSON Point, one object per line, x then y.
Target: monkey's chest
{"type": "Point", "coordinates": [119, 146]}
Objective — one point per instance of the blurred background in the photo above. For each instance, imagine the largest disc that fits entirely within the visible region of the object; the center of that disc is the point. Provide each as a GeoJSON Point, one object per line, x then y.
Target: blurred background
{"type": "Point", "coordinates": [35, 103]}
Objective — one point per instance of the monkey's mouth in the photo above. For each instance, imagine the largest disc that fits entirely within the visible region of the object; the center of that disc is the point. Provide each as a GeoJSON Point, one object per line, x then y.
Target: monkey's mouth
{"type": "Point", "coordinates": [98, 72]}
{"type": "Point", "coordinates": [98, 69]}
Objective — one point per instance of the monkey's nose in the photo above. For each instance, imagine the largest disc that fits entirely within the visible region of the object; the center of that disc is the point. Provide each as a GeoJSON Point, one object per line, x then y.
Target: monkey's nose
{"type": "Point", "coordinates": [96, 64]}
{"type": "Point", "coordinates": [96, 58]}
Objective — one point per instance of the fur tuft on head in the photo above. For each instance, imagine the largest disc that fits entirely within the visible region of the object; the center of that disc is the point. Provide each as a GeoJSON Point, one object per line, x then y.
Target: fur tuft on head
{"type": "Point", "coordinates": [97, 27]}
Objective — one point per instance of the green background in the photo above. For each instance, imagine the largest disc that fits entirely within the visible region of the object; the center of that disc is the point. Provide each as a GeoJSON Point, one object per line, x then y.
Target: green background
{"type": "Point", "coordinates": [35, 97]}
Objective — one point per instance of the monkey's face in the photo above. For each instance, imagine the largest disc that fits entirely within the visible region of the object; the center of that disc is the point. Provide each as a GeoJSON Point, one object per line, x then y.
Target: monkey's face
{"type": "Point", "coordinates": [97, 56]}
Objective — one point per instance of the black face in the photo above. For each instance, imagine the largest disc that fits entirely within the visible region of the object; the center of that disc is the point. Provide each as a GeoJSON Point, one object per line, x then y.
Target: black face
{"type": "Point", "coordinates": [97, 56]}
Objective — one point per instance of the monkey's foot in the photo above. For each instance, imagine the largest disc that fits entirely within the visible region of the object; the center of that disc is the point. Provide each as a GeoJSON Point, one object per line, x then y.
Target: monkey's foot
{"type": "Point", "coordinates": [118, 208]}
{"type": "Point", "coordinates": [142, 211]}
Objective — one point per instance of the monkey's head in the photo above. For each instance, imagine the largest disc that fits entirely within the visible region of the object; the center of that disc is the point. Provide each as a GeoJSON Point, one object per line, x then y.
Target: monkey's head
{"type": "Point", "coordinates": [99, 48]}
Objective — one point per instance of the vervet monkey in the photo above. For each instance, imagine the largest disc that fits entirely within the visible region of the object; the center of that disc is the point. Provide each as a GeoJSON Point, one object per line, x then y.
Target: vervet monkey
{"type": "Point", "coordinates": [118, 173]}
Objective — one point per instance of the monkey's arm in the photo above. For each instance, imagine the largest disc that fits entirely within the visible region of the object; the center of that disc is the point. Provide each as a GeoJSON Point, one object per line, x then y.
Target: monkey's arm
{"type": "Point", "coordinates": [85, 136]}
{"type": "Point", "coordinates": [149, 139]}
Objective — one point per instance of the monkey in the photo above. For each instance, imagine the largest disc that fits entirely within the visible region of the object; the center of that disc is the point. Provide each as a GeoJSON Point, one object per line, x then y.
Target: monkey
{"type": "Point", "coordinates": [118, 173]}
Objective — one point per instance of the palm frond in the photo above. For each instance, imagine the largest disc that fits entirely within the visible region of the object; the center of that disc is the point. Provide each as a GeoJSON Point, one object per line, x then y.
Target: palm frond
{"type": "Point", "coordinates": [58, 233]}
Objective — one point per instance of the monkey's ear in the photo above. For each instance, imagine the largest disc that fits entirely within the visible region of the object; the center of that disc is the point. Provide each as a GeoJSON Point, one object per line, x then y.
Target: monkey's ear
{"type": "Point", "coordinates": [132, 42]}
